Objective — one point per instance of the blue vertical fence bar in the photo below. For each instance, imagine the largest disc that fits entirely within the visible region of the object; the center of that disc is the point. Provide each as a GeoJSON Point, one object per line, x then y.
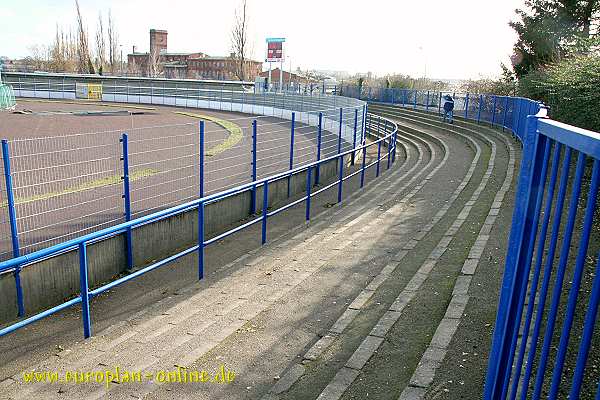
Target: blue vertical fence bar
{"type": "Point", "coordinates": [253, 199]}
{"type": "Point", "coordinates": [467, 106]}
{"type": "Point", "coordinates": [339, 146]}
{"type": "Point", "coordinates": [308, 186]}
{"type": "Point", "coordinates": [439, 102]}
{"type": "Point", "coordinates": [505, 113]}
{"type": "Point", "coordinates": [494, 110]}
{"type": "Point", "coordinates": [364, 162]}
{"type": "Point", "coordinates": [378, 158]}
{"type": "Point", "coordinates": [201, 206]}
{"type": "Point", "coordinates": [588, 332]}
{"type": "Point", "coordinates": [340, 178]}
{"type": "Point", "coordinates": [84, 291]}
{"type": "Point", "coordinates": [14, 234]}
{"type": "Point", "coordinates": [265, 209]}
{"type": "Point", "coordinates": [292, 131]}
{"type": "Point", "coordinates": [127, 198]}
{"type": "Point", "coordinates": [319, 141]}
{"type": "Point", "coordinates": [427, 102]}
{"type": "Point", "coordinates": [576, 280]}
{"type": "Point", "coordinates": [415, 100]}
{"type": "Point", "coordinates": [354, 136]}
{"type": "Point", "coordinates": [389, 159]}
{"type": "Point", "coordinates": [479, 110]}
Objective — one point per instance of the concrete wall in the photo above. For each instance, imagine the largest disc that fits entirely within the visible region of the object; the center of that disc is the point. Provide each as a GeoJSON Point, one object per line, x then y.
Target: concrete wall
{"type": "Point", "coordinates": [51, 281]}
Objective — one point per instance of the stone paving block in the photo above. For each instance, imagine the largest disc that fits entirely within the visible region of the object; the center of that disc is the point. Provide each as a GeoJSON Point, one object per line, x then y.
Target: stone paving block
{"type": "Point", "coordinates": [444, 332]}
{"type": "Point", "coordinates": [399, 255]}
{"type": "Point", "coordinates": [365, 351]}
{"type": "Point", "coordinates": [377, 281]}
{"type": "Point", "coordinates": [288, 379]}
{"type": "Point", "coordinates": [361, 300]}
{"type": "Point", "coordinates": [389, 268]}
{"type": "Point", "coordinates": [470, 266]}
{"type": "Point", "coordinates": [401, 301]}
{"type": "Point", "coordinates": [490, 220]}
{"type": "Point", "coordinates": [434, 354]}
{"type": "Point", "coordinates": [427, 267]}
{"type": "Point", "coordinates": [385, 323]}
{"type": "Point", "coordinates": [415, 283]}
{"type": "Point", "coordinates": [413, 393]}
{"type": "Point", "coordinates": [336, 388]}
{"type": "Point", "coordinates": [424, 374]}
{"type": "Point", "coordinates": [476, 251]}
{"type": "Point", "coordinates": [319, 347]}
{"type": "Point", "coordinates": [410, 245]}
{"type": "Point", "coordinates": [457, 306]}
{"type": "Point", "coordinates": [486, 229]}
{"type": "Point", "coordinates": [462, 285]}
{"type": "Point", "coordinates": [346, 318]}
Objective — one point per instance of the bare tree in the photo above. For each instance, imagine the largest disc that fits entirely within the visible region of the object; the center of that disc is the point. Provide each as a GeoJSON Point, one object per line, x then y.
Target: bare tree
{"type": "Point", "coordinates": [113, 39]}
{"type": "Point", "coordinates": [84, 61]}
{"type": "Point", "coordinates": [100, 45]}
{"type": "Point", "coordinates": [239, 41]}
{"type": "Point", "coordinates": [154, 64]}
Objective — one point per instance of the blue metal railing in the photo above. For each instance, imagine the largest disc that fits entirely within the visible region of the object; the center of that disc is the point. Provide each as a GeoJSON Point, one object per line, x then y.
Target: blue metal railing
{"type": "Point", "coordinates": [536, 329]}
{"type": "Point", "coordinates": [388, 133]}
{"type": "Point", "coordinates": [503, 111]}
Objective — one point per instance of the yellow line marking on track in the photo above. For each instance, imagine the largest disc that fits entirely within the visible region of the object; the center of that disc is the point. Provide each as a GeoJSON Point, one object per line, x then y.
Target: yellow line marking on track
{"type": "Point", "coordinates": [96, 183]}
{"type": "Point", "coordinates": [235, 132]}
{"type": "Point", "coordinates": [86, 103]}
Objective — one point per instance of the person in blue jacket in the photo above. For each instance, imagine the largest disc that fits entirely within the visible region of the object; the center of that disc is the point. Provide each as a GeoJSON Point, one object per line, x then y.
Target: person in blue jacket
{"type": "Point", "coordinates": [448, 108]}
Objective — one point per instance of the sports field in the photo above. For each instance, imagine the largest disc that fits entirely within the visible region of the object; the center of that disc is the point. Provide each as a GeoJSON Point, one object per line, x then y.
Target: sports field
{"type": "Point", "coordinates": [67, 167]}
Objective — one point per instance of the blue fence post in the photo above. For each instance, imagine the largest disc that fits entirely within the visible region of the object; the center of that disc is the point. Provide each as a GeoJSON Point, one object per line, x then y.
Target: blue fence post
{"type": "Point", "coordinates": [378, 158]}
{"type": "Point", "coordinates": [505, 113]}
{"type": "Point", "coordinates": [265, 211]}
{"type": "Point", "coordinates": [201, 206]}
{"type": "Point", "coordinates": [440, 103]}
{"type": "Point", "coordinates": [289, 178]}
{"type": "Point", "coordinates": [393, 91]}
{"type": "Point", "coordinates": [364, 130]}
{"type": "Point", "coordinates": [467, 106]}
{"type": "Point", "coordinates": [394, 152]}
{"type": "Point", "coordinates": [389, 145]}
{"type": "Point", "coordinates": [127, 198]}
{"type": "Point", "coordinates": [494, 111]}
{"type": "Point", "coordinates": [341, 178]}
{"type": "Point", "coordinates": [364, 161]}
{"type": "Point", "coordinates": [479, 111]}
{"type": "Point", "coordinates": [427, 102]}
{"type": "Point", "coordinates": [354, 139]}
{"type": "Point", "coordinates": [253, 200]}
{"type": "Point", "coordinates": [84, 291]}
{"type": "Point", "coordinates": [319, 139]}
{"type": "Point", "coordinates": [14, 234]}
{"type": "Point", "coordinates": [308, 186]}
{"type": "Point", "coordinates": [415, 101]}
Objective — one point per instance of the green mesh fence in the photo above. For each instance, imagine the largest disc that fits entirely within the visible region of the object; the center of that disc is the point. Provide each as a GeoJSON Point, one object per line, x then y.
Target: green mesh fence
{"type": "Point", "coordinates": [7, 97]}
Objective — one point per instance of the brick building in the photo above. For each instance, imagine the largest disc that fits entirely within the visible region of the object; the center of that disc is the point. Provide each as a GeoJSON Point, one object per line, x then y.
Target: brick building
{"type": "Point", "coordinates": [288, 77]}
{"type": "Point", "coordinates": [159, 62]}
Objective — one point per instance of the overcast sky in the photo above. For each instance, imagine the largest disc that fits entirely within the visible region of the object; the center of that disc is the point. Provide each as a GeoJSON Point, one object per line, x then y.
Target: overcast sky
{"type": "Point", "coordinates": [449, 39]}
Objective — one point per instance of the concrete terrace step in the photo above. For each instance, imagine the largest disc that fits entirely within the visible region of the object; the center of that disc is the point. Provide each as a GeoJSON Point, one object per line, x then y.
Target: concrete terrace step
{"type": "Point", "coordinates": [352, 369]}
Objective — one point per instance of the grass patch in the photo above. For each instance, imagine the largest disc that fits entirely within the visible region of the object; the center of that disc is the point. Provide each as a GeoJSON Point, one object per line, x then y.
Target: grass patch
{"type": "Point", "coordinates": [235, 132]}
{"type": "Point", "coordinates": [96, 183]}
